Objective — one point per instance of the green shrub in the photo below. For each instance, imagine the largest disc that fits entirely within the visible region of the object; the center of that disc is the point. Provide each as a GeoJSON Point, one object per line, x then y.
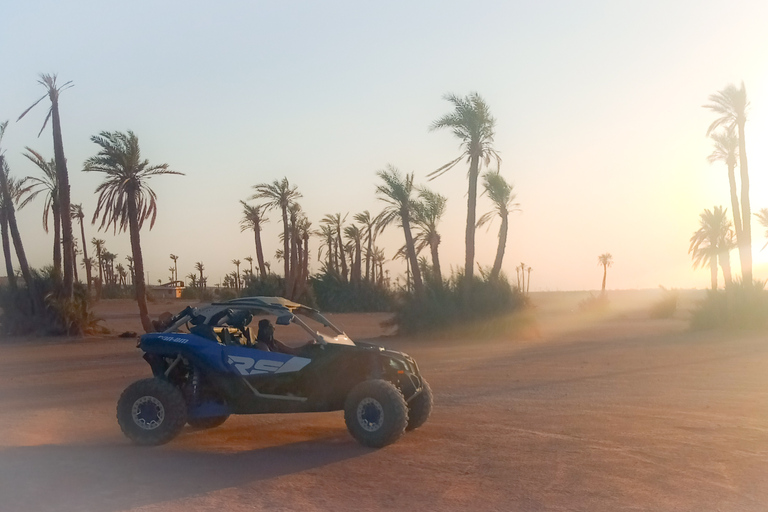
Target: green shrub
{"type": "Point", "coordinates": [737, 307]}
{"type": "Point", "coordinates": [46, 313]}
{"type": "Point", "coordinates": [666, 306]}
{"type": "Point", "coordinates": [334, 294]}
{"type": "Point", "coordinates": [452, 303]}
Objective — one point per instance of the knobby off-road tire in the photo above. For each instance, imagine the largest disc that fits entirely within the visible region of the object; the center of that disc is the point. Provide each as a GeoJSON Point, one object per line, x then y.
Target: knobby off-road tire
{"type": "Point", "coordinates": [151, 411]}
{"type": "Point", "coordinates": [209, 422]}
{"type": "Point", "coordinates": [420, 407]}
{"type": "Point", "coordinates": [376, 413]}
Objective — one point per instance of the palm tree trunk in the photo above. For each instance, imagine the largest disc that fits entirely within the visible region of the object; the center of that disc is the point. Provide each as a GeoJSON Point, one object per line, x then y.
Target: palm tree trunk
{"type": "Point", "coordinates": [369, 255]}
{"type": "Point", "coordinates": [7, 250]}
{"type": "Point", "coordinates": [138, 262]}
{"type": "Point", "coordinates": [63, 187]}
{"type": "Point", "coordinates": [286, 252]}
{"type": "Point", "coordinates": [56, 240]}
{"type": "Point", "coordinates": [433, 244]}
{"type": "Point", "coordinates": [725, 264]}
{"type": "Point", "coordinates": [418, 285]}
{"type": "Point", "coordinates": [713, 272]}
{"type": "Point", "coordinates": [340, 245]}
{"type": "Point", "coordinates": [469, 260]}
{"type": "Point", "coordinates": [745, 245]}
{"type": "Point", "coordinates": [605, 274]}
{"type": "Point", "coordinates": [85, 257]}
{"type": "Point", "coordinates": [259, 253]}
{"type": "Point", "coordinates": [501, 248]}
{"type": "Point", "coordinates": [10, 216]}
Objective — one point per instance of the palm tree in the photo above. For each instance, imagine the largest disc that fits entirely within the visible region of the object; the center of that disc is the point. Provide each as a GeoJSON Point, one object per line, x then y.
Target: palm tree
{"type": "Point", "coordinates": [336, 222]}
{"type": "Point", "coordinates": [175, 273]}
{"type": "Point", "coordinates": [731, 104]}
{"type": "Point", "coordinates": [125, 198]}
{"type": "Point", "coordinates": [713, 241]}
{"type": "Point", "coordinates": [11, 191]}
{"type": "Point", "coordinates": [236, 263]}
{"type": "Point", "coordinates": [192, 279]}
{"type": "Point", "coordinates": [253, 217]}
{"type": "Point", "coordinates": [528, 289]}
{"type": "Point", "coordinates": [280, 194]}
{"type": "Point", "coordinates": [48, 183]}
{"type": "Point", "coordinates": [77, 213]}
{"type": "Point", "coordinates": [500, 193]}
{"type": "Point", "coordinates": [472, 123]}
{"type": "Point", "coordinates": [200, 267]}
{"type": "Point", "coordinates": [370, 230]}
{"type": "Point", "coordinates": [328, 236]}
{"type": "Point", "coordinates": [98, 245]}
{"type": "Point", "coordinates": [396, 193]}
{"type": "Point", "coordinates": [53, 91]}
{"type": "Point", "coordinates": [606, 260]}
{"type": "Point", "coordinates": [426, 216]}
{"type": "Point", "coordinates": [355, 244]}
{"type": "Point", "coordinates": [250, 262]}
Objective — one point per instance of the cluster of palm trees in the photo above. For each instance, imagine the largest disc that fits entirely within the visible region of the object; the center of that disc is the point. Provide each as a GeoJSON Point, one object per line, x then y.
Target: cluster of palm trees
{"type": "Point", "coordinates": [124, 202]}
{"type": "Point", "coordinates": [347, 250]}
{"type": "Point", "coordinates": [718, 235]}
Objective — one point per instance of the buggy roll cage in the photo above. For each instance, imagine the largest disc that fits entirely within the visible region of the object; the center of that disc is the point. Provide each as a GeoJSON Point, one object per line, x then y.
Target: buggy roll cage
{"type": "Point", "coordinates": [285, 310]}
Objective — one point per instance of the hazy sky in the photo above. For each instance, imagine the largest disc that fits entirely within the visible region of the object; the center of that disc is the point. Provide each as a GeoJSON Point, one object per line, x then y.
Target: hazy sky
{"type": "Point", "coordinates": [598, 108]}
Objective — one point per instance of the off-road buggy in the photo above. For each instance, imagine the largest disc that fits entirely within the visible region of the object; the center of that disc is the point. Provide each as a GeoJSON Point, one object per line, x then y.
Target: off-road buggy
{"type": "Point", "coordinates": [218, 368]}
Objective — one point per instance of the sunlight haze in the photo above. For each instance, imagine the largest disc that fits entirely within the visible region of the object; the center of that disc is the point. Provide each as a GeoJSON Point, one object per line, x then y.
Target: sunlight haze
{"type": "Point", "coordinates": [598, 107]}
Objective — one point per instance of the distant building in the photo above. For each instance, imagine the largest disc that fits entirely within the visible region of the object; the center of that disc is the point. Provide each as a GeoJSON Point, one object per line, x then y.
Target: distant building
{"type": "Point", "coordinates": [170, 290]}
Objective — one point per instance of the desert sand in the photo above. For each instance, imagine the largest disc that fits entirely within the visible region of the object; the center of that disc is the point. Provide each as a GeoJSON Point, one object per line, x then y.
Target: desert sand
{"type": "Point", "coordinates": [594, 412]}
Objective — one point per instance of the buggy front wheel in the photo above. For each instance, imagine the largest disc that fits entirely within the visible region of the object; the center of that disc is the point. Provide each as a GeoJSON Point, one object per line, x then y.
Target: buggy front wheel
{"type": "Point", "coordinates": [151, 411]}
{"type": "Point", "coordinates": [375, 413]}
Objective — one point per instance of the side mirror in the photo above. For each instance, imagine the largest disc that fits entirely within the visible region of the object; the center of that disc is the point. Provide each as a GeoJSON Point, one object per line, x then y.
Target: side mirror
{"type": "Point", "coordinates": [284, 320]}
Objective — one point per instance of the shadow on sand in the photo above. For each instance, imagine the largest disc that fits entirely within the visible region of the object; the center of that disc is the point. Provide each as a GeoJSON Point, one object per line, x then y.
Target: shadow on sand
{"type": "Point", "coordinates": [113, 477]}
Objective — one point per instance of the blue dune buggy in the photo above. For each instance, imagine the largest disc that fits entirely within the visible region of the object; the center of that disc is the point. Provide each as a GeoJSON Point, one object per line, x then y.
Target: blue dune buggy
{"type": "Point", "coordinates": [219, 368]}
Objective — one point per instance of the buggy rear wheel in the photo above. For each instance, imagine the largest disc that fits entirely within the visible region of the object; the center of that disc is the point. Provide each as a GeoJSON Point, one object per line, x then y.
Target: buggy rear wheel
{"type": "Point", "coordinates": [151, 411]}
{"type": "Point", "coordinates": [375, 413]}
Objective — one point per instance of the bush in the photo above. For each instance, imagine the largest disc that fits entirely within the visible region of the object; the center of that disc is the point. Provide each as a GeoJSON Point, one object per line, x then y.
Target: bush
{"type": "Point", "coordinates": [737, 307]}
{"type": "Point", "coordinates": [46, 313]}
{"type": "Point", "coordinates": [594, 303]}
{"type": "Point", "coordinates": [333, 294]}
{"type": "Point", "coordinates": [451, 304]}
{"type": "Point", "coordinates": [666, 306]}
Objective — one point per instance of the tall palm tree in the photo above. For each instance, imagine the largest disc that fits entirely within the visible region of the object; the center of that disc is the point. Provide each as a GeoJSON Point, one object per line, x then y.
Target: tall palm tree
{"type": "Point", "coordinates": [98, 245]}
{"type": "Point", "coordinates": [355, 243]}
{"type": "Point", "coordinates": [370, 230]}
{"type": "Point", "coordinates": [500, 193]}
{"type": "Point", "coordinates": [11, 191]}
{"type": "Point", "coordinates": [396, 192]}
{"type": "Point", "coordinates": [426, 216]}
{"type": "Point", "coordinates": [77, 213]}
{"type": "Point", "coordinates": [726, 145]}
{"type": "Point", "coordinates": [253, 217]}
{"type": "Point", "coordinates": [712, 242]}
{"type": "Point", "coordinates": [250, 262]}
{"type": "Point", "coordinates": [336, 222]}
{"type": "Point", "coordinates": [472, 123]}
{"type": "Point", "coordinates": [49, 184]}
{"type": "Point", "coordinates": [606, 260]}
{"type": "Point", "coordinates": [236, 263]}
{"type": "Point", "coordinates": [125, 200]}
{"type": "Point", "coordinates": [199, 266]}
{"type": "Point", "coordinates": [731, 105]}
{"type": "Point", "coordinates": [328, 236]}
{"type": "Point", "coordinates": [52, 92]}
{"type": "Point", "coordinates": [175, 273]}
{"type": "Point", "coordinates": [280, 194]}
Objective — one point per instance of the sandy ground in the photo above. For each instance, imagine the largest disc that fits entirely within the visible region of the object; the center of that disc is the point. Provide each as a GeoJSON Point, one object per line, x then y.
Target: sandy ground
{"type": "Point", "coordinates": [598, 412]}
